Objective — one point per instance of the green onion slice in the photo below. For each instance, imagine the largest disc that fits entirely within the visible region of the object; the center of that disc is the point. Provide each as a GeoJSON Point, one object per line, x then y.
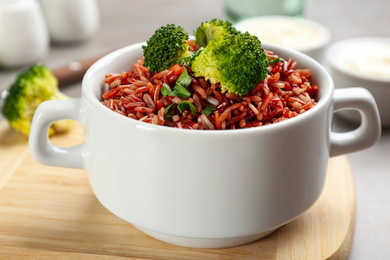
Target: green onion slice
{"type": "Point", "coordinates": [180, 91]}
{"type": "Point", "coordinates": [166, 90]}
{"type": "Point", "coordinates": [167, 110]}
{"type": "Point", "coordinates": [186, 105]}
{"type": "Point", "coordinates": [184, 79]}
{"type": "Point", "coordinates": [182, 61]}
{"type": "Point", "coordinates": [208, 110]}
{"type": "Point", "coordinates": [275, 60]}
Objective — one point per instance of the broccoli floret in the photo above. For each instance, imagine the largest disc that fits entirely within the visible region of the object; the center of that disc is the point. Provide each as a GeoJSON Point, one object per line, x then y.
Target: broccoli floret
{"type": "Point", "coordinates": [208, 30]}
{"type": "Point", "coordinates": [237, 61]}
{"type": "Point", "coordinates": [165, 47]}
{"type": "Point", "coordinates": [32, 87]}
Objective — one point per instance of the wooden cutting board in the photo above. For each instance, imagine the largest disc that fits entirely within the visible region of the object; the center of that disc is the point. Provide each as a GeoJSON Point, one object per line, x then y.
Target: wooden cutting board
{"type": "Point", "coordinates": [51, 213]}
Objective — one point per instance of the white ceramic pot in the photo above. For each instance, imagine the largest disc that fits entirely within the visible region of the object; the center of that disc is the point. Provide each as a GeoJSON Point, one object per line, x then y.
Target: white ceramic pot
{"type": "Point", "coordinates": [208, 189]}
{"type": "Point", "coordinates": [71, 20]}
{"type": "Point", "coordinates": [24, 38]}
{"type": "Point", "coordinates": [362, 62]}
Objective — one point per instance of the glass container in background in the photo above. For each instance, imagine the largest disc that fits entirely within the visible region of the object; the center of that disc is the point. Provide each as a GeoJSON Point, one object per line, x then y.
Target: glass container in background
{"type": "Point", "coordinates": [71, 20]}
{"type": "Point", "coordinates": [242, 9]}
{"type": "Point", "coordinates": [24, 38]}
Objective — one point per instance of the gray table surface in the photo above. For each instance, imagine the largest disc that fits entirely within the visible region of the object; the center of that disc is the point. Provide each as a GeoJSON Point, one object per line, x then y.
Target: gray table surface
{"type": "Point", "coordinates": [125, 22]}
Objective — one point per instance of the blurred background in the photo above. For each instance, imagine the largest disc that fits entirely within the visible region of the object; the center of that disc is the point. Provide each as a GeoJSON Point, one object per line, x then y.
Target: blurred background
{"type": "Point", "coordinates": [109, 25]}
{"type": "Point", "coordinates": [123, 22]}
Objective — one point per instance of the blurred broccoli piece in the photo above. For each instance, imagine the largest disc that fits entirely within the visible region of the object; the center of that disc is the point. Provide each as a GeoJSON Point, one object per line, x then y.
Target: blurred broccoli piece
{"type": "Point", "coordinates": [165, 47]}
{"type": "Point", "coordinates": [208, 30]}
{"type": "Point", "coordinates": [237, 61]}
{"type": "Point", "coordinates": [32, 87]}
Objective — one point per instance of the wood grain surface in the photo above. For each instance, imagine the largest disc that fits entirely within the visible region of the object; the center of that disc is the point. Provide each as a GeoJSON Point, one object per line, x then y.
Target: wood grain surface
{"type": "Point", "coordinates": [51, 213]}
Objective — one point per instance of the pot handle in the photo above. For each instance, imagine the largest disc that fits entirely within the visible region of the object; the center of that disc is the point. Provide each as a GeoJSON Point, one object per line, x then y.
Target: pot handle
{"type": "Point", "coordinates": [41, 149]}
{"type": "Point", "coordinates": [369, 131]}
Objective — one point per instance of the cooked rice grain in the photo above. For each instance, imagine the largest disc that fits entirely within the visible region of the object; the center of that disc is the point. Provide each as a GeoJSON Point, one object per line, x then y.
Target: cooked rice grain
{"type": "Point", "coordinates": [285, 93]}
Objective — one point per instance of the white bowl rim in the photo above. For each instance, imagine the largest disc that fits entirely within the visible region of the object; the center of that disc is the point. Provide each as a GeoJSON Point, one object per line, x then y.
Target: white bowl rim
{"type": "Point", "coordinates": [342, 44]}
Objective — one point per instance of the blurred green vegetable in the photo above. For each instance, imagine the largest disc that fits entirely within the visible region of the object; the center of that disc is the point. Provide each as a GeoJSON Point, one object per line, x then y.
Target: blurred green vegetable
{"type": "Point", "coordinates": [32, 87]}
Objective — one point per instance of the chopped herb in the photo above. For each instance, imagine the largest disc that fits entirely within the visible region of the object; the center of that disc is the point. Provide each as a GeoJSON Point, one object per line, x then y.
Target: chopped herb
{"type": "Point", "coordinates": [194, 55]}
{"type": "Point", "coordinates": [184, 79]}
{"type": "Point", "coordinates": [167, 109]}
{"type": "Point", "coordinates": [183, 60]}
{"type": "Point", "coordinates": [180, 91]}
{"type": "Point", "coordinates": [166, 90]}
{"type": "Point", "coordinates": [275, 60]}
{"type": "Point", "coordinates": [208, 110]}
{"type": "Point", "coordinates": [187, 61]}
{"type": "Point", "coordinates": [186, 105]}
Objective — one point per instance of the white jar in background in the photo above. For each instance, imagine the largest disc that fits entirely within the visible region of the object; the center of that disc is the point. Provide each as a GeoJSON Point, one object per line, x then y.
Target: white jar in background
{"type": "Point", "coordinates": [71, 20]}
{"type": "Point", "coordinates": [24, 37]}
